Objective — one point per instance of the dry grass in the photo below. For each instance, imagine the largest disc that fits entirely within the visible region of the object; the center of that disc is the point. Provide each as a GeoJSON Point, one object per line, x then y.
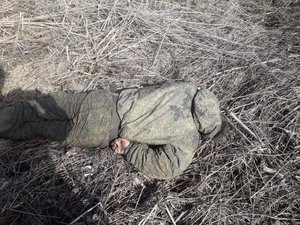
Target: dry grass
{"type": "Point", "coordinates": [247, 52]}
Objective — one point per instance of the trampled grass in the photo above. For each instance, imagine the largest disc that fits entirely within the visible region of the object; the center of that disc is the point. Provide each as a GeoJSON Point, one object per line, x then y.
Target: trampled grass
{"type": "Point", "coordinates": [246, 52]}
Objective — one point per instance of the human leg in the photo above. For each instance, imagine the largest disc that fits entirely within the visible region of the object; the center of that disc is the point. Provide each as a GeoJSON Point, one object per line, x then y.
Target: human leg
{"type": "Point", "coordinates": [93, 123]}
{"type": "Point", "coordinates": [81, 119]}
{"type": "Point", "coordinates": [47, 117]}
{"type": "Point", "coordinates": [52, 130]}
{"type": "Point", "coordinates": [61, 106]}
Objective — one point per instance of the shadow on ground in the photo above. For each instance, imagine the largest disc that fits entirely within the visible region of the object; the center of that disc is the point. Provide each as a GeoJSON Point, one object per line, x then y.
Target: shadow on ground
{"type": "Point", "coordinates": [35, 188]}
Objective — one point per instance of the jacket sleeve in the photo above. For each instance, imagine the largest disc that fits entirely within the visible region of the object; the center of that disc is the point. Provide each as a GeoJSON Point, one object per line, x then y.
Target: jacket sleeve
{"type": "Point", "coordinates": [158, 161]}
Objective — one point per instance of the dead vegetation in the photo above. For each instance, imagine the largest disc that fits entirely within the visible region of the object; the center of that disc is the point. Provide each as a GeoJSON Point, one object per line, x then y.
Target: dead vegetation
{"type": "Point", "coordinates": [246, 52]}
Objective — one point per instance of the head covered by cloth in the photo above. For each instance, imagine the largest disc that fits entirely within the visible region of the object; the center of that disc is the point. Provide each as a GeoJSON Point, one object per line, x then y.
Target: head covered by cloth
{"type": "Point", "coordinates": [206, 113]}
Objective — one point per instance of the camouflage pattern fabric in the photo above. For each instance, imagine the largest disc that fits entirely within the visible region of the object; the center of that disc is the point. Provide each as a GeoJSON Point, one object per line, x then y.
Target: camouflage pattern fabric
{"type": "Point", "coordinates": [80, 119]}
{"type": "Point", "coordinates": [206, 112]}
{"type": "Point", "coordinates": [159, 122]}
{"type": "Point", "coordinates": [163, 123]}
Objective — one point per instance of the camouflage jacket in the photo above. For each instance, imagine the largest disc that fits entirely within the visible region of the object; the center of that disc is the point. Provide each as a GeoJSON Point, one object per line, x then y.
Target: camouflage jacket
{"type": "Point", "coordinates": [159, 123]}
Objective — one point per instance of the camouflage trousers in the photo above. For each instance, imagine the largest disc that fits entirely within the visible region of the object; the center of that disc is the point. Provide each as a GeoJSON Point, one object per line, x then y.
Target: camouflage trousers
{"type": "Point", "coordinates": [80, 119]}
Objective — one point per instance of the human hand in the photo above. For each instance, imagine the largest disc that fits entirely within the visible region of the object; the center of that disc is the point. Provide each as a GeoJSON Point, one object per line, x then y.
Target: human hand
{"type": "Point", "coordinates": [119, 145]}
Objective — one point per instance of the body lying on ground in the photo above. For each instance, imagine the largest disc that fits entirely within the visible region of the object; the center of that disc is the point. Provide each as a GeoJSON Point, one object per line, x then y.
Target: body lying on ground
{"type": "Point", "coordinates": [157, 128]}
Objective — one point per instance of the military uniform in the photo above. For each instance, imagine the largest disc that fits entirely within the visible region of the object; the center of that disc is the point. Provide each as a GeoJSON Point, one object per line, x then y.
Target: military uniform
{"type": "Point", "coordinates": [80, 119]}
{"type": "Point", "coordinates": [164, 123]}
